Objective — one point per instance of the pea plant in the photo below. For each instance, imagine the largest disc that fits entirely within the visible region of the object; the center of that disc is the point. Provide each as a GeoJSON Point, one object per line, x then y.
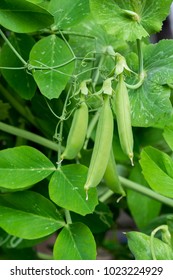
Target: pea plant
{"type": "Point", "coordinates": [86, 129]}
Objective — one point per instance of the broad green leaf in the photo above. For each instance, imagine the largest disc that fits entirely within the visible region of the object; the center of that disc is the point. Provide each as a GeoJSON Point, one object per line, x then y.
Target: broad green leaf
{"type": "Point", "coordinates": [157, 168]}
{"type": "Point", "coordinates": [68, 13]}
{"type": "Point", "coordinates": [21, 81]}
{"type": "Point", "coordinates": [23, 17]}
{"type": "Point", "coordinates": [75, 242]}
{"type": "Point", "coordinates": [116, 21]}
{"type": "Point", "coordinates": [150, 103]}
{"type": "Point", "coordinates": [139, 245]}
{"type": "Point", "coordinates": [66, 189]}
{"type": "Point", "coordinates": [22, 167]}
{"type": "Point", "coordinates": [143, 208]}
{"type": "Point", "coordinates": [28, 215]}
{"type": "Point", "coordinates": [54, 62]}
{"type": "Point", "coordinates": [168, 135]}
{"type": "Point", "coordinates": [99, 221]}
{"type": "Point", "coordinates": [130, 20]}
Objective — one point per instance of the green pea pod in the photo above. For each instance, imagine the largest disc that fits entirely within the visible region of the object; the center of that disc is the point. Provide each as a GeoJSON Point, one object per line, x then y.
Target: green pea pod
{"type": "Point", "coordinates": [102, 146]}
{"type": "Point", "coordinates": [77, 133]}
{"type": "Point", "coordinates": [111, 176]}
{"type": "Point", "coordinates": [123, 115]}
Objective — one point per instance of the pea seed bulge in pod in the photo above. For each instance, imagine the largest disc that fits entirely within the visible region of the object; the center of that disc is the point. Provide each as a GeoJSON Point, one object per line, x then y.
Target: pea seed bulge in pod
{"type": "Point", "coordinates": [86, 130]}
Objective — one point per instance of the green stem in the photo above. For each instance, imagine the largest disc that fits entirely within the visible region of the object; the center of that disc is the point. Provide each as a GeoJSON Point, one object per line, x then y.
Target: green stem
{"type": "Point", "coordinates": [12, 48]}
{"type": "Point", "coordinates": [29, 136]}
{"type": "Point", "coordinates": [43, 256]}
{"type": "Point", "coordinates": [68, 216]}
{"type": "Point", "coordinates": [106, 195]}
{"type": "Point", "coordinates": [140, 57]}
{"type": "Point", "coordinates": [90, 128]}
{"type": "Point", "coordinates": [22, 109]}
{"type": "Point", "coordinates": [148, 192]}
{"type": "Point", "coordinates": [97, 72]}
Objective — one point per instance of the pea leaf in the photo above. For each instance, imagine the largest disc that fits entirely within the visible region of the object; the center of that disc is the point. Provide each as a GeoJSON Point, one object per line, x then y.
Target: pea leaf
{"type": "Point", "coordinates": [157, 168]}
{"type": "Point", "coordinates": [75, 242]}
{"type": "Point", "coordinates": [66, 189]}
{"type": "Point", "coordinates": [52, 55]}
{"type": "Point", "coordinates": [67, 13]}
{"type": "Point", "coordinates": [23, 17]}
{"type": "Point", "coordinates": [143, 208]}
{"type": "Point", "coordinates": [28, 215]}
{"type": "Point", "coordinates": [150, 103]}
{"type": "Point", "coordinates": [130, 20]}
{"type": "Point", "coordinates": [22, 82]}
{"type": "Point", "coordinates": [140, 246]}
{"type": "Point", "coordinates": [21, 167]}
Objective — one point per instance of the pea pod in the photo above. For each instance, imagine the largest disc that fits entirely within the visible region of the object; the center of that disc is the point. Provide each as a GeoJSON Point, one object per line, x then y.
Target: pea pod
{"type": "Point", "coordinates": [102, 146]}
{"type": "Point", "coordinates": [111, 176]}
{"type": "Point", "coordinates": [123, 115]}
{"type": "Point", "coordinates": [77, 133]}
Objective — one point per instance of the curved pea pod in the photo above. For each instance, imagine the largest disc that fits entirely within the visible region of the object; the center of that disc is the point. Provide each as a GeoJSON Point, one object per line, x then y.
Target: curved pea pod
{"type": "Point", "coordinates": [102, 146]}
{"type": "Point", "coordinates": [123, 115]}
{"type": "Point", "coordinates": [77, 133]}
{"type": "Point", "coordinates": [111, 176]}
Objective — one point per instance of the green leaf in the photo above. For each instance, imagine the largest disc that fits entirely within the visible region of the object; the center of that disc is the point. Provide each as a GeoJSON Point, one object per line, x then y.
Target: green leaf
{"type": "Point", "coordinates": [115, 20]}
{"type": "Point", "coordinates": [143, 208]}
{"type": "Point", "coordinates": [22, 167]}
{"type": "Point", "coordinates": [130, 20]}
{"type": "Point", "coordinates": [52, 55]}
{"type": "Point", "coordinates": [150, 103]}
{"type": "Point", "coordinates": [157, 168]}
{"type": "Point", "coordinates": [28, 215]}
{"type": "Point", "coordinates": [66, 189]}
{"type": "Point", "coordinates": [22, 82]}
{"type": "Point", "coordinates": [68, 13]}
{"type": "Point", "coordinates": [75, 242]}
{"type": "Point", "coordinates": [168, 135]}
{"type": "Point", "coordinates": [23, 17]}
{"type": "Point", "coordinates": [140, 246]}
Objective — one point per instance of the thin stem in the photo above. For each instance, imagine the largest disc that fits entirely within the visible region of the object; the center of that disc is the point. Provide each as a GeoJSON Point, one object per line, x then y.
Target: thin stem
{"type": "Point", "coordinates": [106, 195]}
{"type": "Point", "coordinates": [12, 48]}
{"type": "Point", "coordinates": [140, 57]}
{"type": "Point", "coordinates": [148, 192]}
{"type": "Point", "coordinates": [44, 256]}
{"type": "Point", "coordinates": [63, 116]}
{"type": "Point", "coordinates": [97, 72]}
{"type": "Point", "coordinates": [29, 136]}
{"type": "Point", "coordinates": [68, 216]}
{"type": "Point", "coordinates": [90, 128]}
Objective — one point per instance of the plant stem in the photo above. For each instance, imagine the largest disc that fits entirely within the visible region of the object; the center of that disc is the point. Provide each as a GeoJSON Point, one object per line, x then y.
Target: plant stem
{"type": "Point", "coordinates": [12, 48]}
{"type": "Point", "coordinates": [68, 216]}
{"type": "Point", "coordinates": [97, 72]}
{"type": "Point", "coordinates": [29, 136]}
{"type": "Point", "coordinates": [148, 192]}
{"type": "Point", "coordinates": [44, 256]}
{"type": "Point", "coordinates": [140, 57]}
{"type": "Point", "coordinates": [22, 109]}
